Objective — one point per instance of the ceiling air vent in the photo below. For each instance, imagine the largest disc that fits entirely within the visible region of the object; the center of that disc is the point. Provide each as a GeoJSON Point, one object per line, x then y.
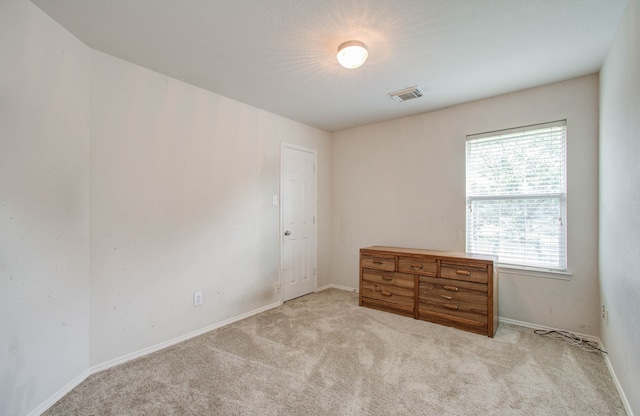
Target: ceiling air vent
{"type": "Point", "coordinates": [407, 94]}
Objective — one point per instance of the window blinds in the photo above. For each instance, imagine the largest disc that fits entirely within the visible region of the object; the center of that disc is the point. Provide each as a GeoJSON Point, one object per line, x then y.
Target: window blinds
{"type": "Point", "coordinates": [516, 195]}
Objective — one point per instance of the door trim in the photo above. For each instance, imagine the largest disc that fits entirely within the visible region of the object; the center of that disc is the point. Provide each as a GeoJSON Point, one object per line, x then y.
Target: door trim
{"type": "Point", "coordinates": [284, 145]}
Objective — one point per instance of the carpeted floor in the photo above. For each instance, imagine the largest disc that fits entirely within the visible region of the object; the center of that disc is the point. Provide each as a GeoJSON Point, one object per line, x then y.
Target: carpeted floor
{"type": "Point", "coordinates": [323, 355]}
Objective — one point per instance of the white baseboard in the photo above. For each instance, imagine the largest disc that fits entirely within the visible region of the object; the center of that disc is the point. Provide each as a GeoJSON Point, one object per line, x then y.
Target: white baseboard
{"type": "Point", "coordinates": [44, 406]}
{"type": "Point", "coordinates": [623, 397]}
{"type": "Point", "coordinates": [112, 363]}
{"type": "Point", "coordinates": [332, 286]}
{"type": "Point", "coordinates": [616, 382]}
{"type": "Point", "coordinates": [121, 360]}
{"type": "Point", "coordinates": [548, 328]}
{"type": "Point", "coordinates": [166, 344]}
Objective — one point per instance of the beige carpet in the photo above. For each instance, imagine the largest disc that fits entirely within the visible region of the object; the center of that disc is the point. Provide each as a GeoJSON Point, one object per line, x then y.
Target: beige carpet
{"type": "Point", "coordinates": [323, 355]}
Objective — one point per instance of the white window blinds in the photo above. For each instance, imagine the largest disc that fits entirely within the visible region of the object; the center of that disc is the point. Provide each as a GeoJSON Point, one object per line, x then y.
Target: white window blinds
{"type": "Point", "coordinates": [516, 195]}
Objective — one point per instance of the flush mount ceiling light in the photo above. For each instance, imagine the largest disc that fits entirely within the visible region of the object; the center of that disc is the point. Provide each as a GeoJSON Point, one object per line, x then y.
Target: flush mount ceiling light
{"type": "Point", "coordinates": [352, 54]}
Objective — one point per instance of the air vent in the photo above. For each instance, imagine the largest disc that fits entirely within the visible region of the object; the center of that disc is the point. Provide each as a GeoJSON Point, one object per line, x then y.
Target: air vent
{"type": "Point", "coordinates": [407, 94]}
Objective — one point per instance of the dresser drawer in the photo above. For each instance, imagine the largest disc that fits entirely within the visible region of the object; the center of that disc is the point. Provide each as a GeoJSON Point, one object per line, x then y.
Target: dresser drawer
{"type": "Point", "coordinates": [399, 309]}
{"type": "Point", "coordinates": [466, 272]}
{"type": "Point", "coordinates": [378, 261]}
{"type": "Point", "coordinates": [417, 265]}
{"type": "Point", "coordinates": [389, 278]}
{"type": "Point", "coordinates": [388, 294]}
{"type": "Point", "coordinates": [462, 299]}
{"type": "Point", "coordinates": [399, 291]}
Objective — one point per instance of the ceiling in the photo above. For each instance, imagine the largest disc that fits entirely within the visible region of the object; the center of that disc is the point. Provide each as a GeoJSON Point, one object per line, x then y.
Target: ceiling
{"type": "Point", "coordinates": [280, 55]}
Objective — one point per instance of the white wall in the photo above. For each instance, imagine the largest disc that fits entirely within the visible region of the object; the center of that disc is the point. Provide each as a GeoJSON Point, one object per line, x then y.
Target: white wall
{"type": "Point", "coordinates": [402, 183]}
{"type": "Point", "coordinates": [181, 191]}
{"type": "Point", "coordinates": [619, 201]}
{"type": "Point", "coordinates": [44, 207]}
{"type": "Point", "coordinates": [181, 188]}
{"type": "Point", "coordinates": [181, 201]}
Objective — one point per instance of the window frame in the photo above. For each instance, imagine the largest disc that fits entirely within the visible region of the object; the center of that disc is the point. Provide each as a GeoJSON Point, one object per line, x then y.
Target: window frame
{"type": "Point", "coordinates": [516, 267]}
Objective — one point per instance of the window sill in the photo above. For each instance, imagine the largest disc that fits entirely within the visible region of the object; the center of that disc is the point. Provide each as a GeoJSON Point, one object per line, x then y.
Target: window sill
{"type": "Point", "coordinates": [534, 271]}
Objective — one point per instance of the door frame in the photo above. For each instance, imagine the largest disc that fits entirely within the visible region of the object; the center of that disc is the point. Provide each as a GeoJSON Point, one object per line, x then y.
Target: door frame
{"type": "Point", "coordinates": [284, 145]}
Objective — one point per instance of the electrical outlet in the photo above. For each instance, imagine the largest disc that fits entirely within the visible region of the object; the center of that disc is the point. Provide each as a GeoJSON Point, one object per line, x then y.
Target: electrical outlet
{"type": "Point", "coordinates": [276, 289]}
{"type": "Point", "coordinates": [197, 298]}
{"type": "Point", "coordinates": [605, 315]}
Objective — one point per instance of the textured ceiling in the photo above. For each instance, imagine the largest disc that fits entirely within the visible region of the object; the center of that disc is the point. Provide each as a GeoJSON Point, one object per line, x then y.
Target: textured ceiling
{"type": "Point", "coordinates": [279, 55]}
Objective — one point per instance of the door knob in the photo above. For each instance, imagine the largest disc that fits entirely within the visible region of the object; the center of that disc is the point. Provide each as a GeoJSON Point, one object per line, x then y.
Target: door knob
{"type": "Point", "coordinates": [287, 232]}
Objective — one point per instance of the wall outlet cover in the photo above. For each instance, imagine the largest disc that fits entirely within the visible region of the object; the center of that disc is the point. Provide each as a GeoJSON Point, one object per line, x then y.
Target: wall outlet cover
{"type": "Point", "coordinates": [197, 298]}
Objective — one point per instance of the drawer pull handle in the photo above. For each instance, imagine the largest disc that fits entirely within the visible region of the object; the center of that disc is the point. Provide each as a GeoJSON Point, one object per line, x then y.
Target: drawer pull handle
{"type": "Point", "coordinates": [463, 272]}
{"type": "Point", "coordinates": [417, 266]}
{"type": "Point", "coordinates": [385, 293]}
{"type": "Point", "coordinates": [378, 262]}
{"type": "Point", "coordinates": [452, 307]}
{"type": "Point", "coordinates": [387, 278]}
{"type": "Point", "coordinates": [446, 297]}
{"type": "Point", "coordinates": [450, 288]}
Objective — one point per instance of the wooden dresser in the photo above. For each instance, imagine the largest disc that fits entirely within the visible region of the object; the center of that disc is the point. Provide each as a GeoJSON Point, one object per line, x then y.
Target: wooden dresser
{"type": "Point", "coordinates": [454, 289]}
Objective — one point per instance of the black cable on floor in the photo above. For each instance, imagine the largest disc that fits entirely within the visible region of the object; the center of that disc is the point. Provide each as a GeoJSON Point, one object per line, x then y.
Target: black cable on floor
{"type": "Point", "coordinates": [573, 339]}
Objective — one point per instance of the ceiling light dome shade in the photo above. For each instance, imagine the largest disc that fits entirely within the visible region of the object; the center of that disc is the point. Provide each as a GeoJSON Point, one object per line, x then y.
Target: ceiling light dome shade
{"type": "Point", "coordinates": [352, 54]}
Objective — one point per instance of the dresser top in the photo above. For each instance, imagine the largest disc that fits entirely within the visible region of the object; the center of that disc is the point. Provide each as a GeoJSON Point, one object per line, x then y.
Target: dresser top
{"type": "Point", "coordinates": [435, 253]}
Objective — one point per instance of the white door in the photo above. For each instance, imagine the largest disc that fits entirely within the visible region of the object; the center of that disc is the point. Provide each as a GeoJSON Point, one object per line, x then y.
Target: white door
{"type": "Point", "coordinates": [298, 220]}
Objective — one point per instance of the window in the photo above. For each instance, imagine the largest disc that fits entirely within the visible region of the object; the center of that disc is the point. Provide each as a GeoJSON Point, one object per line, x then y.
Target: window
{"type": "Point", "coordinates": [516, 195]}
